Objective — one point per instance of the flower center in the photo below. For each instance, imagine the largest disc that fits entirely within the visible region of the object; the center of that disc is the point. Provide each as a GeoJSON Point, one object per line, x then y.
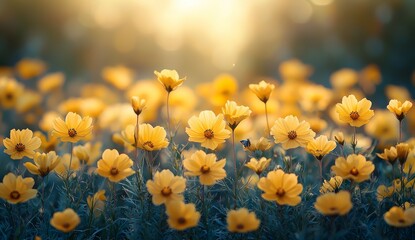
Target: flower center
{"type": "Point", "coordinates": [401, 220]}
{"type": "Point", "coordinates": [280, 192]}
{"type": "Point", "coordinates": [209, 134]}
{"type": "Point", "coordinates": [66, 225]}
{"type": "Point", "coordinates": [240, 226]}
{"type": "Point", "coordinates": [20, 147]}
{"type": "Point", "coordinates": [9, 96]}
{"type": "Point", "coordinates": [148, 143]}
{"type": "Point", "coordinates": [205, 169]}
{"type": "Point", "coordinates": [333, 209]}
{"type": "Point", "coordinates": [181, 220]}
{"type": "Point", "coordinates": [166, 191]}
{"type": "Point", "coordinates": [15, 195]}
{"type": "Point", "coordinates": [354, 171]}
{"type": "Point", "coordinates": [292, 134]}
{"type": "Point", "coordinates": [114, 171]}
{"type": "Point", "coordinates": [72, 132]}
{"type": "Point", "coordinates": [354, 115]}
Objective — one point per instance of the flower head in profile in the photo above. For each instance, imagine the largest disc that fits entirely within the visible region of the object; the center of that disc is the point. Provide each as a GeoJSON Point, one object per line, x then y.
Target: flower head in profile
{"type": "Point", "coordinates": [281, 187]}
{"type": "Point", "coordinates": [262, 90]}
{"type": "Point", "coordinates": [207, 129]}
{"type": "Point", "coordinates": [399, 109]}
{"type": "Point", "coordinates": [402, 150]}
{"type": "Point", "coordinates": [65, 221]}
{"type": "Point", "coordinates": [182, 216]}
{"type": "Point", "coordinates": [258, 166]}
{"type": "Point", "coordinates": [291, 133]}
{"type": "Point", "coordinates": [21, 144]}
{"type": "Point", "coordinates": [333, 185]}
{"type": "Point", "coordinates": [355, 113]}
{"type": "Point", "coordinates": [170, 79]}
{"type": "Point", "coordinates": [115, 166]}
{"type": "Point", "coordinates": [355, 167]}
{"type": "Point", "coordinates": [67, 166]}
{"type": "Point", "coordinates": [16, 189]}
{"type": "Point", "coordinates": [43, 163]}
{"type": "Point", "coordinates": [261, 144]}
{"type": "Point", "coordinates": [88, 153]}
{"type": "Point", "coordinates": [166, 187]}
{"type": "Point", "coordinates": [339, 137]}
{"type": "Point", "coordinates": [320, 147]}
{"type": "Point", "coordinates": [234, 114]}
{"type": "Point", "coordinates": [390, 155]}
{"type": "Point", "coordinates": [73, 129]}
{"type": "Point", "coordinates": [400, 217]}
{"type": "Point", "coordinates": [138, 104]}
{"type": "Point", "coordinates": [334, 203]}
{"type": "Point", "coordinates": [383, 191]}
{"type": "Point", "coordinates": [242, 221]}
{"type": "Point", "coordinates": [206, 167]}
{"type": "Point", "coordinates": [96, 203]}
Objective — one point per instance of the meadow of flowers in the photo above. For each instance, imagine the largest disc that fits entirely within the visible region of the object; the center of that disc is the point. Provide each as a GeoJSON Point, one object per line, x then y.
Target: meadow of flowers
{"type": "Point", "coordinates": [157, 159]}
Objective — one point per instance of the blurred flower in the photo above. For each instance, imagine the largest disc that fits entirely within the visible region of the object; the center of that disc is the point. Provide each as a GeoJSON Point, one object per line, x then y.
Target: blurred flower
{"type": "Point", "coordinates": [27, 101]}
{"type": "Point", "coordinates": [234, 114]}
{"type": "Point", "coordinates": [138, 104]}
{"type": "Point", "coordinates": [51, 82]}
{"type": "Point", "coordinates": [118, 76]}
{"type": "Point", "coordinates": [63, 168]}
{"type": "Point", "coordinates": [166, 187]}
{"type": "Point", "coordinates": [207, 129]}
{"type": "Point", "coordinates": [258, 166]}
{"type": "Point", "coordinates": [46, 122]}
{"type": "Point", "coordinates": [317, 124]}
{"type": "Point", "coordinates": [88, 152]}
{"type": "Point", "coordinates": [206, 167]}
{"type": "Point", "coordinates": [355, 167]}
{"type": "Point", "coordinates": [402, 150]}
{"type": "Point", "coordinates": [400, 217]}
{"type": "Point", "coordinates": [383, 191]}
{"type": "Point", "coordinates": [283, 188]}
{"type": "Point", "coordinates": [29, 68]}
{"type": "Point", "coordinates": [390, 155]}
{"type": "Point", "coordinates": [71, 105]}
{"type": "Point", "coordinates": [397, 92]}
{"type": "Point", "coordinates": [291, 133]}
{"type": "Point", "coordinates": [48, 143]}
{"type": "Point", "coordinates": [99, 91]}
{"type": "Point", "coordinates": [96, 203]}
{"type": "Point", "coordinates": [21, 144]}
{"type": "Point", "coordinates": [339, 137]}
{"type": "Point", "coordinates": [223, 88]}
{"type": "Point", "coordinates": [117, 117]}
{"type": "Point", "coordinates": [6, 71]}
{"type": "Point", "coordinates": [65, 221]}
{"type": "Point", "coordinates": [383, 126]}
{"type": "Point", "coordinates": [44, 163]}
{"type": "Point", "coordinates": [333, 185]}
{"type": "Point", "coordinates": [294, 70]}
{"type": "Point", "coordinates": [344, 78]}
{"type": "Point", "coordinates": [290, 93]}
{"type": "Point", "coordinates": [182, 103]}
{"type": "Point", "coordinates": [261, 144]}
{"type": "Point", "coordinates": [399, 109]}
{"type": "Point", "coordinates": [262, 90]}
{"type": "Point", "coordinates": [242, 221]}
{"type": "Point", "coordinates": [16, 189]}
{"type": "Point", "coordinates": [320, 146]}
{"type": "Point", "coordinates": [150, 138]}
{"type": "Point", "coordinates": [409, 166]}
{"type": "Point", "coordinates": [10, 92]}
{"type": "Point", "coordinates": [356, 113]}
{"type": "Point", "coordinates": [250, 181]}
{"type": "Point", "coordinates": [73, 129]}
{"type": "Point", "coordinates": [81, 153]}
{"type": "Point", "coordinates": [334, 203]}
{"type": "Point", "coordinates": [182, 216]}
{"type": "Point", "coordinates": [114, 166]}
{"type": "Point", "coordinates": [91, 107]}
{"type": "Point", "coordinates": [315, 98]}
{"type": "Point", "coordinates": [169, 79]}
{"type": "Point", "coordinates": [370, 76]}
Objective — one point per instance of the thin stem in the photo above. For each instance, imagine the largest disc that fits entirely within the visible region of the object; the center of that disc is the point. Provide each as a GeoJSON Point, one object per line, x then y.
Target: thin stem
{"type": "Point", "coordinates": [168, 117]}
{"type": "Point", "coordinates": [150, 164]}
{"type": "Point", "coordinates": [354, 141]}
{"type": "Point", "coordinates": [402, 186]}
{"type": "Point", "coordinates": [266, 117]}
{"type": "Point", "coordinates": [235, 169]}
{"type": "Point", "coordinates": [320, 165]}
{"type": "Point", "coordinates": [400, 131]}
{"type": "Point", "coordinates": [70, 159]}
{"type": "Point", "coordinates": [137, 131]}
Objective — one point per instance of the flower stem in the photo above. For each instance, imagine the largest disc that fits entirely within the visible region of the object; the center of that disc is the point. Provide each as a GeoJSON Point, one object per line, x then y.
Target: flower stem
{"type": "Point", "coordinates": [70, 159]}
{"type": "Point", "coordinates": [320, 165]}
{"type": "Point", "coordinates": [400, 131]}
{"type": "Point", "coordinates": [150, 164]}
{"type": "Point", "coordinates": [235, 169]}
{"type": "Point", "coordinates": [168, 117]}
{"type": "Point", "coordinates": [354, 141]}
{"type": "Point", "coordinates": [266, 117]}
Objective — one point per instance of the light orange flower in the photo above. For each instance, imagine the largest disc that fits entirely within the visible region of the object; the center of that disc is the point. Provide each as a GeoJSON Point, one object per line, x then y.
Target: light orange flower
{"type": "Point", "coordinates": [166, 187]}
{"type": "Point", "coordinates": [320, 147]}
{"type": "Point", "coordinates": [291, 133]}
{"type": "Point", "coordinates": [21, 144]}
{"type": "Point", "coordinates": [73, 129]}
{"type": "Point", "coordinates": [115, 166]}
{"type": "Point", "coordinates": [399, 109]}
{"type": "Point", "coordinates": [16, 189]}
{"type": "Point", "coordinates": [169, 78]}
{"type": "Point", "coordinates": [65, 221]}
{"type": "Point", "coordinates": [355, 167]}
{"type": "Point", "coordinates": [242, 221]}
{"type": "Point", "coordinates": [334, 203]}
{"type": "Point", "coordinates": [262, 90]}
{"type": "Point", "coordinates": [206, 167]}
{"type": "Point", "coordinates": [355, 113]}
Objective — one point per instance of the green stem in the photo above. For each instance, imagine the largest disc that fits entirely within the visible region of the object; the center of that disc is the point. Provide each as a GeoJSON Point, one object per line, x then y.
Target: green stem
{"type": "Point", "coordinates": [354, 141]}
{"type": "Point", "coordinates": [400, 131]}
{"type": "Point", "coordinates": [266, 117]}
{"type": "Point", "coordinates": [235, 169]}
{"type": "Point", "coordinates": [70, 160]}
{"type": "Point", "coordinates": [168, 117]}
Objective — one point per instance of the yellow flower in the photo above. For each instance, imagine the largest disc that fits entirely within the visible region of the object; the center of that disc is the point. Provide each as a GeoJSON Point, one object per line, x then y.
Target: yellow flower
{"type": "Point", "coordinates": [383, 191]}
{"type": "Point", "coordinates": [399, 93]}
{"type": "Point", "coordinates": [356, 113]}
{"type": "Point", "coordinates": [315, 98]}
{"type": "Point", "coordinates": [339, 137]}
{"type": "Point", "coordinates": [73, 129]}
{"type": "Point", "coordinates": [242, 221]}
{"type": "Point", "coordinates": [234, 114]}
{"type": "Point", "coordinates": [258, 166]}
{"type": "Point", "coordinates": [96, 203]}
{"type": "Point", "coordinates": [21, 144]}
{"type": "Point", "coordinates": [81, 153]}
{"type": "Point", "coordinates": [333, 185]}
{"type": "Point", "coordinates": [44, 163]}
{"type": "Point", "coordinates": [355, 167]}
{"type": "Point", "coordinates": [291, 133]}
{"type": "Point", "coordinates": [27, 101]}
{"type": "Point", "coordinates": [262, 90]}
{"type": "Point", "coordinates": [261, 144]}
{"type": "Point", "coordinates": [402, 149]}
{"type": "Point", "coordinates": [207, 129]}
{"type": "Point", "coordinates": [152, 138]}
{"type": "Point", "coordinates": [409, 166]}
{"type": "Point", "coordinates": [65, 221]}
{"type": "Point", "coordinates": [115, 166]}
{"type": "Point", "coordinates": [16, 189]}
{"type": "Point", "coordinates": [93, 152]}
{"type": "Point", "coordinates": [182, 216]}
{"type": "Point", "coordinates": [334, 203]}
{"type": "Point", "coordinates": [138, 104]}
{"type": "Point", "coordinates": [399, 109]}
{"type": "Point", "coordinates": [92, 107]}
{"type": "Point", "coordinates": [29, 68]}
{"type": "Point", "coordinates": [118, 76]}
{"type": "Point", "coordinates": [320, 147]}
{"type": "Point", "coordinates": [400, 217]}
{"type": "Point", "coordinates": [51, 82]}
{"type": "Point", "coordinates": [48, 143]}
{"type": "Point", "coordinates": [390, 155]}
{"type": "Point", "coordinates": [317, 124]}
{"type": "Point", "coordinates": [170, 79]}
{"type": "Point", "coordinates": [10, 91]}
{"type": "Point", "coordinates": [293, 70]}
{"type": "Point", "coordinates": [281, 187]}
{"type": "Point", "coordinates": [206, 167]}
{"type": "Point", "coordinates": [166, 187]}
{"type": "Point", "coordinates": [63, 167]}
{"type": "Point", "coordinates": [383, 126]}
{"type": "Point", "coordinates": [344, 78]}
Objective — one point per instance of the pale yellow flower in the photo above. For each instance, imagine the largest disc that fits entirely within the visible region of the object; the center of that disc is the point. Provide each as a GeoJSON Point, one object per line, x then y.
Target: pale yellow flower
{"type": "Point", "coordinates": [242, 221]}
{"type": "Point", "coordinates": [291, 133]}
{"type": "Point", "coordinates": [339, 137]}
{"type": "Point", "coordinates": [16, 189]}
{"type": "Point", "coordinates": [96, 203]}
{"type": "Point", "coordinates": [383, 126]}
{"type": "Point", "coordinates": [73, 129]}
{"type": "Point", "coordinates": [399, 109]}
{"type": "Point", "coordinates": [206, 167]}
{"type": "Point", "coordinates": [88, 153]}
{"type": "Point", "coordinates": [46, 122]}
{"type": "Point", "coordinates": [294, 70]}
{"type": "Point", "coordinates": [400, 217]}
{"type": "Point", "coordinates": [315, 98]}
{"type": "Point", "coordinates": [169, 79]}
{"type": "Point", "coordinates": [65, 221]}
{"type": "Point", "coordinates": [118, 76]}
{"type": "Point", "coordinates": [43, 163]}
{"type": "Point", "coordinates": [166, 187]}
{"type": "Point", "coordinates": [63, 168]}
{"type": "Point", "coordinates": [402, 149]}
{"type": "Point", "coordinates": [355, 167]}
{"type": "Point", "coordinates": [320, 147]}
{"type": "Point", "coordinates": [262, 90]}
{"type": "Point", "coordinates": [182, 216]}
{"type": "Point", "coordinates": [261, 144]}
{"type": "Point", "coordinates": [355, 113]}
{"type": "Point", "coordinates": [49, 142]}
{"type": "Point", "coordinates": [317, 124]}
{"type": "Point", "coordinates": [150, 138]}
{"type": "Point", "coordinates": [51, 82]}
{"type": "Point", "coordinates": [27, 101]}
{"type": "Point", "coordinates": [114, 166]}
{"type": "Point", "coordinates": [334, 203]}
{"type": "Point", "coordinates": [29, 68]}
{"type": "Point", "coordinates": [333, 185]}
{"type": "Point", "coordinates": [234, 114]}
{"type": "Point", "coordinates": [390, 155]}
{"type": "Point", "coordinates": [258, 166]}
{"type": "Point", "coordinates": [21, 144]}
{"type": "Point", "coordinates": [92, 107]}
{"type": "Point", "coordinates": [344, 78]}
{"type": "Point", "coordinates": [138, 104]}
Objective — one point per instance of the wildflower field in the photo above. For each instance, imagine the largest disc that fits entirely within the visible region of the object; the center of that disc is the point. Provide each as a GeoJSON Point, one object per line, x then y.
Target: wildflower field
{"type": "Point", "coordinates": [167, 156]}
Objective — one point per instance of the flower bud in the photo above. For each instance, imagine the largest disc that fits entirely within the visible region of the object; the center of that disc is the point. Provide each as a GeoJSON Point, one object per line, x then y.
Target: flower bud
{"type": "Point", "coordinates": [402, 150]}
{"type": "Point", "coordinates": [138, 104]}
